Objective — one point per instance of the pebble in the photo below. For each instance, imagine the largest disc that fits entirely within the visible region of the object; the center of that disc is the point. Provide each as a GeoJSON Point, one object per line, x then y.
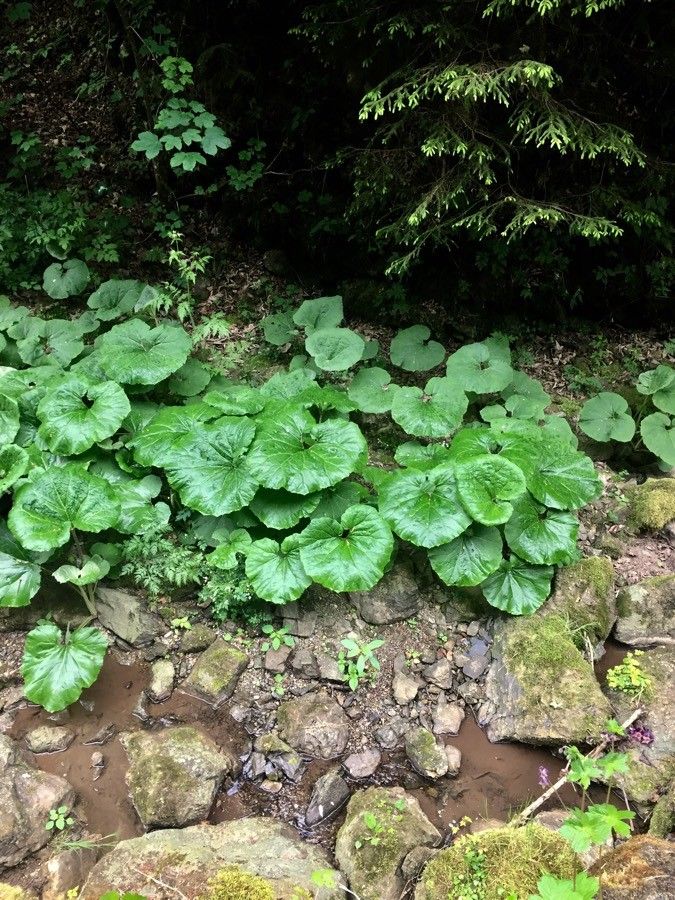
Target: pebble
{"type": "Point", "coordinates": [364, 764]}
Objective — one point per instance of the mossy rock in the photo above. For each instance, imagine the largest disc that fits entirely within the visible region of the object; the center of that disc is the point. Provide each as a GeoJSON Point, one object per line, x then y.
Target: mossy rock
{"type": "Point", "coordinates": [234, 883]}
{"type": "Point", "coordinates": [652, 504]}
{"type": "Point", "coordinates": [647, 612]}
{"type": "Point", "coordinates": [642, 868]}
{"type": "Point", "coordinates": [540, 688]}
{"type": "Point", "coordinates": [10, 892]}
{"type": "Point", "coordinates": [584, 597]}
{"type": "Point", "coordinates": [662, 822]}
{"type": "Point", "coordinates": [216, 673]}
{"type": "Point", "coordinates": [374, 870]}
{"type": "Point", "coordinates": [514, 859]}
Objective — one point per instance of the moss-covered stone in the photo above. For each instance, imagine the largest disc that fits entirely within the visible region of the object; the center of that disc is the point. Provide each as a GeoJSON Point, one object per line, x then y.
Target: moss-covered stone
{"type": "Point", "coordinates": [374, 870]}
{"type": "Point", "coordinates": [513, 860]}
{"type": "Point", "coordinates": [584, 597]}
{"type": "Point", "coordinates": [652, 504]}
{"type": "Point", "coordinates": [642, 868]}
{"type": "Point", "coordinates": [10, 892]}
{"type": "Point", "coordinates": [541, 689]}
{"type": "Point", "coordinates": [647, 612]}
{"type": "Point", "coordinates": [425, 753]}
{"type": "Point", "coordinates": [216, 673]}
{"type": "Point", "coordinates": [233, 883]}
{"type": "Point", "coordinates": [662, 821]}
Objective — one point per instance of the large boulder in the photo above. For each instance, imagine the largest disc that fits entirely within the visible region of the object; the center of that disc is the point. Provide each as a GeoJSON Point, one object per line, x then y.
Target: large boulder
{"type": "Point", "coordinates": [26, 797]}
{"type": "Point", "coordinates": [513, 861]}
{"type": "Point", "coordinates": [174, 775]}
{"type": "Point", "coordinates": [374, 869]}
{"type": "Point", "coordinates": [396, 597]}
{"type": "Point", "coordinates": [186, 859]}
{"type": "Point", "coordinates": [652, 504]}
{"type": "Point", "coordinates": [314, 724]}
{"type": "Point", "coordinates": [584, 596]}
{"type": "Point", "coordinates": [652, 767]}
{"type": "Point", "coordinates": [216, 673]}
{"type": "Point", "coordinates": [540, 689]}
{"type": "Point", "coordinates": [127, 616]}
{"type": "Point", "coordinates": [642, 868]}
{"type": "Point", "coordinates": [647, 612]}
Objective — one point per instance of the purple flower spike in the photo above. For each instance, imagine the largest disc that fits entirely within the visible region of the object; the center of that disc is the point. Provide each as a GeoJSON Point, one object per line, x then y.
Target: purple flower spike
{"type": "Point", "coordinates": [544, 779]}
{"type": "Point", "coordinates": [641, 734]}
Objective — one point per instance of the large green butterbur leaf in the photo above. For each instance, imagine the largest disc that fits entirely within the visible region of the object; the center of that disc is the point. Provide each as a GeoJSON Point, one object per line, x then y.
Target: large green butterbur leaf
{"type": "Point", "coordinates": [20, 573]}
{"type": "Point", "coordinates": [562, 477]}
{"type": "Point", "coordinates": [210, 469]}
{"type": "Point", "coordinates": [660, 384]}
{"type": "Point", "coordinates": [276, 570]}
{"type": "Point", "coordinates": [135, 353]}
{"type": "Point", "coordinates": [225, 556]}
{"type": "Point", "coordinates": [335, 501]}
{"type": "Point", "coordinates": [658, 434]}
{"type": "Point", "coordinates": [115, 298]}
{"type": "Point", "coordinates": [65, 279]}
{"type": "Point", "coordinates": [14, 462]}
{"type": "Point", "coordinates": [436, 411]}
{"type": "Point", "coordinates": [372, 390]}
{"type": "Point", "coordinates": [138, 514]}
{"type": "Point", "coordinates": [414, 455]}
{"type": "Point", "coordinates": [470, 558]}
{"type": "Point", "coordinates": [78, 414]}
{"type": "Point", "coordinates": [191, 379]}
{"type": "Point", "coordinates": [517, 587]}
{"type": "Point", "coordinates": [483, 368]}
{"type": "Point", "coordinates": [486, 484]}
{"type": "Point", "coordinates": [423, 507]}
{"type": "Point", "coordinates": [156, 442]}
{"type": "Point", "coordinates": [349, 554]}
{"type": "Point", "coordinates": [279, 328]}
{"type": "Point", "coordinates": [57, 667]}
{"type": "Point", "coordinates": [606, 418]}
{"type": "Point", "coordinates": [93, 568]}
{"type": "Point", "coordinates": [236, 400]}
{"type": "Point", "coordinates": [541, 535]}
{"type": "Point", "coordinates": [325, 399]}
{"type": "Point", "coordinates": [56, 500]}
{"type": "Point", "coordinates": [282, 510]}
{"type": "Point", "coordinates": [323, 312]}
{"type": "Point", "coordinates": [287, 385]}
{"type": "Point", "coordinates": [412, 350]}
{"type": "Point", "coordinates": [56, 342]}
{"type": "Point", "coordinates": [335, 349]}
{"type": "Point", "coordinates": [295, 453]}
{"type": "Point", "coordinates": [9, 419]}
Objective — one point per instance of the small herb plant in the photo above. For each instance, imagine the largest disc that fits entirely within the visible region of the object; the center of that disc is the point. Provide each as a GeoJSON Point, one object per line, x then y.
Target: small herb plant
{"type": "Point", "coordinates": [276, 638]}
{"type": "Point", "coordinates": [59, 819]}
{"type": "Point", "coordinates": [373, 834]}
{"type": "Point", "coordinates": [629, 677]}
{"type": "Point", "coordinates": [358, 661]}
{"type": "Point", "coordinates": [278, 688]}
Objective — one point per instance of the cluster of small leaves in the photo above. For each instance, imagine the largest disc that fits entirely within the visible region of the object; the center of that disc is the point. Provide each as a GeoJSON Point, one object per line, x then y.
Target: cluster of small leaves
{"type": "Point", "coordinates": [107, 426]}
{"type": "Point", "coordinates": [183, 129]}
{"type": "Point", "coordinates": [607, 417]}
{"type": "Point", "coordinates": [629, 677]}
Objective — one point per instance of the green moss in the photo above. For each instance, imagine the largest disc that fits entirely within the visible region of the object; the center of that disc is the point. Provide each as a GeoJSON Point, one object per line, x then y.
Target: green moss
{"type": "Point", "coordinates": [9, 892]}
{"type": "Point", "coordinates": [233, 883]}
{"type": "Point", "coordinates": [652, 504]}
{"type": "Point", "coordinates": [584, 597]}
{"type": "Point", "coordinates": [570, 407]}
{"type": "Point", "coordinates": [514, 860]}
{"type": "Point", "coordinates": [662, 822]}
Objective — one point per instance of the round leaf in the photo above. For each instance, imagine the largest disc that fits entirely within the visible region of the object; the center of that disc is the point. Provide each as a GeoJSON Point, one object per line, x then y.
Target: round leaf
{"type": "Point", "coordinates": [276, 571]}
{"type": "Point", "coordinates": [19, 580]}
{"type": "Point", "coordinates": [92, 570]}
{"type": "Point", "coordinates": [287, 385]}
{"type": "Point", "coordinates": [414, 455]}
{"type": "Point", "coordinates": [55, 500]}
{"type": "Point", "coordinates": [664, 399]}
{"type": "Point", "coordinates": [540, 535]}
{"type": "Point", "coordinates": [115, 298]}
{"type": "Point", "coordinates": [325, 398]}
{"type": "Point", "coordinates": [280, 509]}
{"type": "Point", "coordinates": [225, 555]}
{"type": "Point", "coordinates": [324, 312]}
{"type": "Point", "coordinates": [78, 414]}
{"type": "Point", "coordinates": [190, 379]}
{"type": "Point", "coordinates": [14, 463]}
{"type": "Point", "coordinates": [134, 353]}
{"type": "Point", "coordinates": [138, 514]}
{"type": "Point", "coordinates": [210, 469]}
{"type": "Point", "coordinates": [349, 554]}
{"type": "Point", "coordinates": [335, 501]}
{"type": "Point", "coordinates": [57, 668]}
{"type": "Point", "coordinates": [562, 477]}
{"type": "Point", "coordinates": [279, 329]}
{"type": "Point", "coordinates": [62, 280]}
{"type": "Point", "coordinates": [56, 342]}
{"type": "Point", "coordinates": [483, 368]}
{"type": "Point", "coordinates": [517, 587]}
{"type": "Point", "coordinates": [657, 379]}
{"type": "Point", "coordinates": [236, 400]}
{"type": "Point", "coordinates": [335, 349]}
{"type": "Point", "coordinates": [412, 350]}
{"type": "Point", "coordinates": [9, 419]}
{"type": "Point", "coordinates": [372, 390]}
{"type": "Point", "coordinates": [606, 418]}
{"type": "Point", "coordinates": [295, 453]}
{"type": "Point", "coordinates": [423, 507]}
{"type": "Point", "coordinates": [486, 484]}
{"type": "Point", "coordinates": [658, 434]}
{"type": "Point", "coordinates": [155, 444]}
{"type": "Point", "coordinates": [436, 411]}
{"type": "Point", "coordinates": [468, 559]}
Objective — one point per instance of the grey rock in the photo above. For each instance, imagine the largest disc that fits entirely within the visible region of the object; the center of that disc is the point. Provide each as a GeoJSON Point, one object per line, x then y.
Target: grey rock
{"type": "Point", "coordinates": [363, 764]}
{"type": "Point", "coordinates": [314, 724]}
{"type": "Point", "coordinates": [396, 597]}
{"type": "Point", "coordinates": [328, 668]}
{"type": "Point", "coordinates": [27, 797]}
{"type": "Point", "coordinates": [389, 734]}
{"type": "Point", "coordinates": [426, 755]}
{"type": "Point", "coordinates": [454, 757]}
{"type": "Point", "coordinates": [66, 870]}
{"type": "Point", "coordinates": [374, 872]}
{"type": "Point", "coordinates": [299, 622]}
{"type": "Point", "coordinates": [415, 861]}
{"type": "Point", "coordinates": [275, 660]}
{"type": "Point", "coordinates": [329, 794]}
{"type": "Point", "coordinates": [174, 775]}
{"type": "Point", "coordinates": [216, 673]}
{"type": "Point", "coordinates": [255, 766]}
{"type": "Point", "coordinates": [641, 868]}
{"type": "Point", "coordinates": [187, 858]}
{"type": "Point", "coordinates": [447, 717]}
{"type": "Point", "coordinates": [404, 688]}
{"type": "Point", "coordinates": [127, 616]}
{"type": "Point", "coordinates": [647, 612]}
{"type": "Point", "coordinates": [271, 787]}
{"type": "Point", "coordinates": [162, 674]}
{"type": "Point", "coordinates": [49, 739]}
{"type": "Point", "coordinates": [304, 664]}
{"type": "Point", "coordinates": [197, 638]}
{"type": "Point", "coordinates": [440, 674]}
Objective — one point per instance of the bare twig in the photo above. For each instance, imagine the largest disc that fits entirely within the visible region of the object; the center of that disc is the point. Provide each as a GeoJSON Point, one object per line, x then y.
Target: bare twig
{"type": "Point", "coordinates": [161, 883]}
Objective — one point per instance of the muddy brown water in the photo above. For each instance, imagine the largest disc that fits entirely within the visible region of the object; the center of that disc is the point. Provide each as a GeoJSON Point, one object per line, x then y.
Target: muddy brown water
{"type": "Point", "coordinates": [495, 780]}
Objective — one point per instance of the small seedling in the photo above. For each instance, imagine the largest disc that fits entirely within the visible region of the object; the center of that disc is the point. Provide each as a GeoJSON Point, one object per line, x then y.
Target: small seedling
{"type": "Point", "coordinates": [181, 622]}
{"type": "Point", "coordinates": [59, 818]}
{"type": "Point", "coordinates": [277, 637]}
{"type": "Point", "coordinates": [629, 677]}
{"type": "Point", "coordinates": [278, 688]}
{"type": "Point", "coordinates": [412, 656]}
{"type": "Point", "coordinates": [358, 658]}
{"type": "Point", "coordinates": [375, 829]}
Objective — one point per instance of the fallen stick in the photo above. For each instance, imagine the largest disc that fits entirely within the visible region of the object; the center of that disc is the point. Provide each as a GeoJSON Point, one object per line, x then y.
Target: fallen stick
{"type": "Point", "coordinates": [534, 806]}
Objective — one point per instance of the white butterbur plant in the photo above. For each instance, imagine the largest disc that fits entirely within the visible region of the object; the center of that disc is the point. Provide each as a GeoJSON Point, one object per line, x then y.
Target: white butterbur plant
{"type": "Point", "coordinates": [118, 431]}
